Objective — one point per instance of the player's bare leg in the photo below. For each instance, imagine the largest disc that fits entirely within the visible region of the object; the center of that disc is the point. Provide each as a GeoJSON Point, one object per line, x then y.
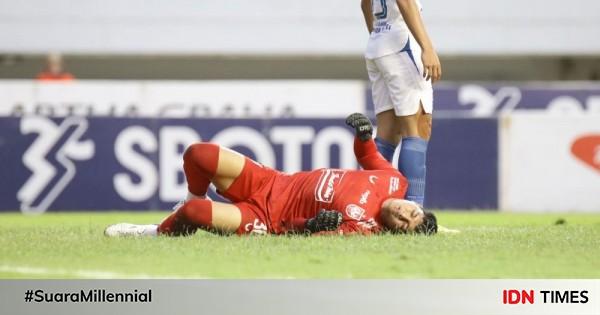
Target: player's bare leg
{"type": "Point", "coordinates": [387, 129]}
{"type": "Point", "coordinates": [425, 122]}
{"type": "Point", "coordinates": [388, 136]}
{"type": "Point", "coordinates": [202, 214]}
{"type": "Point", "coordinates": [392, 128]}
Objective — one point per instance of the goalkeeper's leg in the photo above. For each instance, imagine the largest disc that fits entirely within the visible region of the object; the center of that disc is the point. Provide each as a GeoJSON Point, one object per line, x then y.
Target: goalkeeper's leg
{"type": "Point", "coordinates": [204, 163]}
{"type": "Point", "coordinates": [186, 220]}
{"type": "Point", "coordinates": [235, 176]}
{"type": "Point", "coordinates": [202, 214]}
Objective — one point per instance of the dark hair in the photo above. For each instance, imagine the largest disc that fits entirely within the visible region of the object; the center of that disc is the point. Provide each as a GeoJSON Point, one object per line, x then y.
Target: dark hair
{"type": "Point", "coordinates": [429, 225]}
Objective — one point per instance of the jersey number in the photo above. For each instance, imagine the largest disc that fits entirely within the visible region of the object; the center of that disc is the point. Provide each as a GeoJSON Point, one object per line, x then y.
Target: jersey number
{"type": "Point", "coordinates": [379, 9]}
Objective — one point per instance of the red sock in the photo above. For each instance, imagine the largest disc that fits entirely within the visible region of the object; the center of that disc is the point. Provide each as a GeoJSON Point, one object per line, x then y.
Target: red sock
{"type": "Point", "coordinates": [200, 163]}
{"type": "Point", "coordinates": [194, 214]}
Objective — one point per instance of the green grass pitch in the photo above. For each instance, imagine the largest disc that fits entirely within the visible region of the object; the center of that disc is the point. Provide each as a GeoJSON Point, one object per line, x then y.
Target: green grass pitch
{"type": "Point", "coordinates": [491, 245]}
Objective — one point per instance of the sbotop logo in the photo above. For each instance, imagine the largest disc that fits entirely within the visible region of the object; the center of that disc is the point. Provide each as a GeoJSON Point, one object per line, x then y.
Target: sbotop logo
{"type": "Point", "coordinates": [50, 159]}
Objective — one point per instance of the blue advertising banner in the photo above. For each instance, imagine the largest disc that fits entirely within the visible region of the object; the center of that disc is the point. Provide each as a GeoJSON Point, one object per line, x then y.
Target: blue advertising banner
{"type": "Point", "coordinates": [462, 164]}
{"type": "Point", "coordinates": [488, 100]}
{"type": "Point", "coordinates": [85, 163]}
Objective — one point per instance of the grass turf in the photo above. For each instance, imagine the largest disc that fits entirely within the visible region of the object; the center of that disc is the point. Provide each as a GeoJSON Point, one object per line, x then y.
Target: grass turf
{"type": "Point", "coordinates": [491, 245]}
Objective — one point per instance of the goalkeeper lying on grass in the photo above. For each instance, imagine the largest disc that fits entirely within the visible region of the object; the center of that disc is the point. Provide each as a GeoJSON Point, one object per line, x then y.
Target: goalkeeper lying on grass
{"type": "Point", "coordinates": [263, 200]}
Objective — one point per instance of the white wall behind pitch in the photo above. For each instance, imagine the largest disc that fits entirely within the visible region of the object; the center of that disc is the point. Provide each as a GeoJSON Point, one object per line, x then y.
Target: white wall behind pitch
{"type": "Point", "coordinates": [288, 27]}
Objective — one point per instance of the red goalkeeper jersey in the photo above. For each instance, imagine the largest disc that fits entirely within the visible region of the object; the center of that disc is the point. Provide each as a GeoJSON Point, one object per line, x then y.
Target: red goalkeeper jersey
{"type": "Point", "coordinates": [357, 194]}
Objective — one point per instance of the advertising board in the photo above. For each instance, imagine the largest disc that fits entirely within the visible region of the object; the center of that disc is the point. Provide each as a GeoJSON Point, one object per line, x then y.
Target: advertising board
{"type": "Point", "coordinates": [550, 163]}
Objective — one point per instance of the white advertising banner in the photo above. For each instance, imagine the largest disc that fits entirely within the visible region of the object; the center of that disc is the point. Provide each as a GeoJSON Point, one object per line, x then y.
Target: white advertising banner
{"type": "Point", "coordinates": [179, 99]}
{"type": "Point", "coordinates": [550, 162]}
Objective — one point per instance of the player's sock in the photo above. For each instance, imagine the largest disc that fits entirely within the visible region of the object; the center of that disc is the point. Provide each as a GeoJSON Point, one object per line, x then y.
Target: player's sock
{"type": "Point", "coordinates": [193, 215]}
{"type": "Point", "coordinates": [385, 148]}
{"type": "Point", "coordinates": [200, 163]}
{"type": "Point", "coordinates": [411, 163]}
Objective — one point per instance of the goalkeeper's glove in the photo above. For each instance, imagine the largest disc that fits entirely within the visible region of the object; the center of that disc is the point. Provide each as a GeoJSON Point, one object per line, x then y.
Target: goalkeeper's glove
{"type": "Point", "coordinates": [362, 126]}
{"type": "Point", "coordinates": [326, 220]}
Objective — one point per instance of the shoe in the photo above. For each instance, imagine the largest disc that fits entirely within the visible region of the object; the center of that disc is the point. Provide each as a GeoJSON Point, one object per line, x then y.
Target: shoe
{"type": "Point", "coordinates": [128, 229]}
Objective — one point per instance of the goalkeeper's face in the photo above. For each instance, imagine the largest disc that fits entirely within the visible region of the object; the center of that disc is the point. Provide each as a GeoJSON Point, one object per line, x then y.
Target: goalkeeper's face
{"type": "Point", "coordinates": [399, 215]}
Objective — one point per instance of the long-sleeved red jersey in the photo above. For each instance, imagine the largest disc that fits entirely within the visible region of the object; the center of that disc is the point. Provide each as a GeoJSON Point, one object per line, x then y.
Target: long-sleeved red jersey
{"type": "Point", "coordinates": [357, 194]}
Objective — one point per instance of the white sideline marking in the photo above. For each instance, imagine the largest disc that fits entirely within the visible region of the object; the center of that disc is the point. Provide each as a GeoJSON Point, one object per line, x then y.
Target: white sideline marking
{"type": "Point", "coordinates": [88, 274]}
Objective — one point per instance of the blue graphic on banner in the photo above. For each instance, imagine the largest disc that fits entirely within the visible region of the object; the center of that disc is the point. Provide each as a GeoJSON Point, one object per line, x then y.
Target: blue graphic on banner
{"type": "Point", "coordinates": [81, 163]}
{"type": "Point", "coordinates": [118, 163]}
{"type": "Point", "coordinates": [462, 170]}
{"type": "Point", "coordinates": [487, 100]}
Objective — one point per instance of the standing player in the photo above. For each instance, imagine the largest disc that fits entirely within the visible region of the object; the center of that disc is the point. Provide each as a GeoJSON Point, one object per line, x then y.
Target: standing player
{"type": "Point", "coordinates": [402, 65]}
{"type": "Point", "coordinates": [268, 201]}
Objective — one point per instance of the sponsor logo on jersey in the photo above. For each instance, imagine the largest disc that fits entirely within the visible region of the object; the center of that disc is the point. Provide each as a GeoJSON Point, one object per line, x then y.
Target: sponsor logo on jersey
{"type": "Point", "coordinates": [364, 197]}
{"type": "Point", "coordinates": [372, 179]}
{"type": "Point", "coordinates": [355, 212]}
{"type": "Point", "coordinates": [394, 185]}
{"type": "Point", "coordinates": [327, 184]}
{"type": "Point", "coordinates": [587, 150]}
{"type": "Point", "coordinates": [257, 227]}
{"type": "Point", "coordinates": [50, 158]}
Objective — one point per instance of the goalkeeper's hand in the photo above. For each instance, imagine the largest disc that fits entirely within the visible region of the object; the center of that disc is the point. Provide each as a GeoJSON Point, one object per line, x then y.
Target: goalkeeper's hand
{"type": "Point", "coordinates": [362, 126]}
{"type": "Point", "coordinates": [326, 220]}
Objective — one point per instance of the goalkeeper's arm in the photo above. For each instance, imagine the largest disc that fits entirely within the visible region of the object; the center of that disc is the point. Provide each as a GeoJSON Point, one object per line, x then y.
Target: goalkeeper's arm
{"type": "Point", "coordinates": [365, 149]}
